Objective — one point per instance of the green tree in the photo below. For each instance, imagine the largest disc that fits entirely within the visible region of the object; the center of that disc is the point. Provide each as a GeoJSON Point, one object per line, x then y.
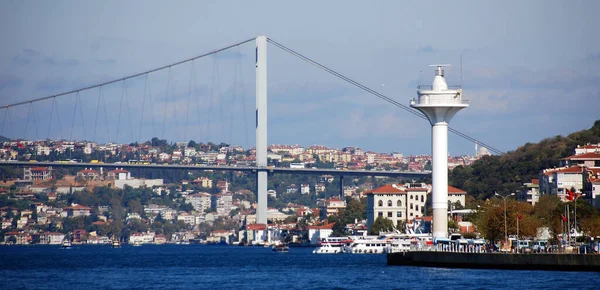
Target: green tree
{"type": "Point", "coordinates": [381, 224]}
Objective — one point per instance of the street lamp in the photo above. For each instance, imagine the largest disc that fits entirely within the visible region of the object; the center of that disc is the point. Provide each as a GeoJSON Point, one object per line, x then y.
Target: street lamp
{"type": "Point", "coordinates": [575, 201]}
{"type": "Point", "coordinates": [504, 198]}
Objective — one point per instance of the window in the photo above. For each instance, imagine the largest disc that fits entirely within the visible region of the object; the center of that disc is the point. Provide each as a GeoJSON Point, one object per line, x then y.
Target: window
{"type": "Point", "coordinates": [422, 198]}
{"type": "Point", "coordinates": [380, 203]}
{"type": "Point", "coordinates": [389, 203]}
{"type": "Point", "coordinates": [411, 206]}
{"type": "Point", "coordinates": [399, 214]}
{"type": "Point", "coordinates": [389, 214]}
{"type": "Point", "coordinates": [411, 197]}
{"type": "Point", "coordinates": [380, 214]}
{"type": "Point", "coordinates": [399, 203]}
{"type": "Point", "coordinates": [416, 207]}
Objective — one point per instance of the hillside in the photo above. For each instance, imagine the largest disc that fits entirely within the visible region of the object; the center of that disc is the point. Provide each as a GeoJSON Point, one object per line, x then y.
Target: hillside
{"type": "Point", "coordinates": [507, 173]}
{"type": "Point", "coordinates": [4, 139]}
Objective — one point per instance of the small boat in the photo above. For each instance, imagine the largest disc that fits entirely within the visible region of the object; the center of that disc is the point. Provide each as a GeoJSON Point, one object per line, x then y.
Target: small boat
{"type": "Point", "coordinates": [116, 244]}
{"type": "Point", "coordinates": [66, 244]}
{"type": "Point", "coordinates": [136, 244]}
{"type": "Point", "coordinates": [281, 248]}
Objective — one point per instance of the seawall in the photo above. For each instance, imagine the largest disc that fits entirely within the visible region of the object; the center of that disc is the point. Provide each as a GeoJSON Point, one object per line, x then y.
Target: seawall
{"type": "Point", "coordinates": [554, 262]}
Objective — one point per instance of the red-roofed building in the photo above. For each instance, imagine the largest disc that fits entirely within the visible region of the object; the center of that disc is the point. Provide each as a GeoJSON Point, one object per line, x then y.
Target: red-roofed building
{"type": "Point", "coordinates": [588, 148]}
{"type": "Point", "coordinates": [404, 202]}
{"type": "Point", "coordinates": [256, 234]}
{"type": "Point", "coordinates": [589, 159]}
{"type": "Point", "coordinates": [119, 174]}
{"type": "Point", "coordinates": [556, 180]}
{"type": "Point", "coordinates": [78, 210]}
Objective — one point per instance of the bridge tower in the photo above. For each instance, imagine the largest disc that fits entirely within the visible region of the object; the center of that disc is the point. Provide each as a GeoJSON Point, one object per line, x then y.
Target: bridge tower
{"type": "Point", "coordinates": [439, 104]}
{"type": "Point", "coordinates": [261, 128]}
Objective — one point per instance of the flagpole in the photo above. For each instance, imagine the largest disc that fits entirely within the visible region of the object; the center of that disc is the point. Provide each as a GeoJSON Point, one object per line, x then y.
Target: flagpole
{"type": "Point", "coordinates": [518, 241]}
{"type": "Point", "coordinates": [568, 225]}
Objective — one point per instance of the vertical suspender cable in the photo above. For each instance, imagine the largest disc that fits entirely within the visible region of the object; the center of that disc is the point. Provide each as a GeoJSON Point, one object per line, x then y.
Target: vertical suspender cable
{"type": "Point", "coordinates": [128, 111]}
{"type": "Point", "coordinates": [3, 122]}
{"type": "Point", "coordinates": [97, 113]}
{"type": "Point", "coordinates": [106, 119]}
{"type": "Point", "coordinates": [58, 120]}
{"type": "Point", "coordinates": [166, 104]}
{"type": "Point", "coordinates": [212, 88]}
{"type": "Point", "coordinates": [82, 122]}
{"type": "Point", "coordinates": [50, 121]}
{"type": "Point", "coordinates": [143, 107]}
{"type": "Point", "coordinates": [73, 119]}
{"type": "Point", "coordinates": [187, 108]}
{"type": "Point", "coordinates": [37, 137]}
{"type": "Point", "coordinates": [27, 122]}
{"type": "Point", "coordinates": [120, 109]}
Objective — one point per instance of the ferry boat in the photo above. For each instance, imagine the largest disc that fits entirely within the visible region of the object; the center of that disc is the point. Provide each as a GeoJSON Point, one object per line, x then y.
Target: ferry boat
{"type": "Point", "coordinates": [332, 245]}
{"type": "Point", "coordinates": [368, 245]}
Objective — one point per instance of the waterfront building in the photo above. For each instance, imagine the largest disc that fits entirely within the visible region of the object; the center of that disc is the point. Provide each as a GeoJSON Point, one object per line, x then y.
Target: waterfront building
{"type": "Point", "coordinates": [404, 202]}
{"type": "Point", "coordinates": [317, 233]}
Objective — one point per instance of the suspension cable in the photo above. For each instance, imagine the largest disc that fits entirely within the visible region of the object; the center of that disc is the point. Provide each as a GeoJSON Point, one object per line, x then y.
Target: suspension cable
{"type": "Point", "coordinates": [377, 94]}
{"type": "Point", "coordinates": [130, 76]}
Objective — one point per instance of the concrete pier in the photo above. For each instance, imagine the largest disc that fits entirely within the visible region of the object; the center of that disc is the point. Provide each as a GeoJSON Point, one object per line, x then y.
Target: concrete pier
{"type": "Point", "coordinates": [552, 262]}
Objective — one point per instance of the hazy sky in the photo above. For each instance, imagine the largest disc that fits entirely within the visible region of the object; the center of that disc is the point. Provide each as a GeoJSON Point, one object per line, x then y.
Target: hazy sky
{"type": "Point", "coordinates": [530, 69]}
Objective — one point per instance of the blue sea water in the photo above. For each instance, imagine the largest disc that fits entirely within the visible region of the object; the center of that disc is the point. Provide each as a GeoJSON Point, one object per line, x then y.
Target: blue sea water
{"type": "Point", "coordinates": [231, 267]}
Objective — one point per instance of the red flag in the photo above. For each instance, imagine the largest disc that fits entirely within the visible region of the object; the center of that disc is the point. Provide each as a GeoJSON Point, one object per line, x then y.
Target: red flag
{"type": "Point", "coordinates": [570, 195]}
{"type": "Point", "coordinates": [19, 145]}
{"type": "Point", "coordinates": [564, 218]}
{"type": "Point", "coordinates": [519, 217]}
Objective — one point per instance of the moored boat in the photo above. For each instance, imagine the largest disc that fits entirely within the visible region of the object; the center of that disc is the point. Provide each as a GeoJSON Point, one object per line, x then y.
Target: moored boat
{"type": "Point", "coordinates": [66, 244]}
{"type": "Point", "coordinates": [332, 245]}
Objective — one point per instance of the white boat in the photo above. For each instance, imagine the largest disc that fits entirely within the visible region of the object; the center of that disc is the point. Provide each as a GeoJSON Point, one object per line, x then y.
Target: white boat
{"type": "Point", "coordinates": [368, 245]}
{"type": "Point", "coordinates": [332, 245]}
{"type": "Point", "coordinates": [136, 244]}
{"type": "Point", "coordinates": [116, 244]}
{"type": "Point", "coordinates": [66, 244]}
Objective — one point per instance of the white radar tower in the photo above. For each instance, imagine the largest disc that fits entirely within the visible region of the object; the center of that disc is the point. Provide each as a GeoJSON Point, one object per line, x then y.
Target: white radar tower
{"type": "Point", "coordinates": [439, 103]}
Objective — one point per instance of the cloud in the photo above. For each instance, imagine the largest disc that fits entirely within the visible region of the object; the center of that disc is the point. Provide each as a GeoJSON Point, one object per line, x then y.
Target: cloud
{"type": "Point", "coordinates": [60, 62]}
{"type": "Point", "coordinates": [25, 57]}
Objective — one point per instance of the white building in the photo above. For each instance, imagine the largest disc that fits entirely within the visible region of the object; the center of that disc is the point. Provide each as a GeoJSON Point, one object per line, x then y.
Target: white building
{"type": "Point", "coordinates": [51, 238]}
{"type": "Point", "coordinates": [141, 238]}
{"type": "Point", "coordinates": [305, 188]}
{"type": "Point", "coordinates": [403, 202]}
{"type": "Point", "coordinates": [317, 233]}
{"type": "Point", "coordinates": [137, 183]}
{"type": "Point", "coordinates": [200, 201]}
{"type": "Point", "coordinates": [223, 203]}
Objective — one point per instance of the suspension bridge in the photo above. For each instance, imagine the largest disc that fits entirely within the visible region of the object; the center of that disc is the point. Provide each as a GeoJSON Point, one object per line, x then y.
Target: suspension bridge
{"type": "Point", "coordinates": [110, 110]}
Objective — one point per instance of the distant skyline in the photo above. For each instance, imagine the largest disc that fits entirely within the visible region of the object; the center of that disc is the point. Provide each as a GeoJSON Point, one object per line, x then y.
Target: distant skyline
{"type": "Point", "coordinates": [531, 70]}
